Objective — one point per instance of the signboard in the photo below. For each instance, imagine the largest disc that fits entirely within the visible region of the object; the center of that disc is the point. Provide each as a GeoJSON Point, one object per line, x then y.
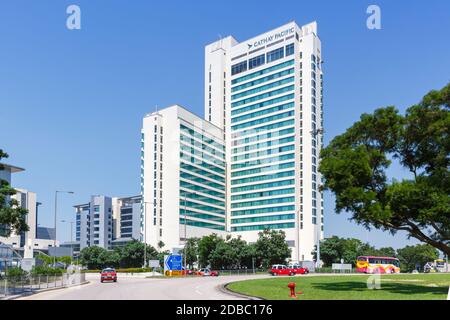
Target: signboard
{"type": "Point", "coordinates": [59, 252]}
{"type": "Point", "coordinates": [153, 263]}
{"type": "Point", "coordinates": [173, 265]}
{"type": "Point", "coordinates": [341, 267]}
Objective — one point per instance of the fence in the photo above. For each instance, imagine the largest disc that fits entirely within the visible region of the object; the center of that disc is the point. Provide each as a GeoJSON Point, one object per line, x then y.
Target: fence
{"type": "Point", "coordinates": [242, 272]}
{"type": "Point", "coordinates": [19, 285]}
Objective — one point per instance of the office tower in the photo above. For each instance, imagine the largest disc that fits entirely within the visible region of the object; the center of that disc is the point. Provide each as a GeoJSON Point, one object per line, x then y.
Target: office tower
{"type": "Point", "coordinates": [126, 220]}
{"type": "Point", "coordinates": [94, 222]}
{"type": "Point", "coordinates": [266, 94]}
{"type": "Point", "coordinates": [182, 177]}
{"type": "Point", "coordinates": [253, 161]}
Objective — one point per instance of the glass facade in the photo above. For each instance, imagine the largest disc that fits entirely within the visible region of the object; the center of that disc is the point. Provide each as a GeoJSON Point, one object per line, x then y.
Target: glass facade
{"type": "Point", "coordinates": [202, 179]}
{"type": "Point", "coordinates": [263, 143]}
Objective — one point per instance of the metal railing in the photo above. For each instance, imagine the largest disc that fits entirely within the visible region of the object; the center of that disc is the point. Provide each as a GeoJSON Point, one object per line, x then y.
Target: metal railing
{"type": "Point", "coordinates": [241, 272]}
{"type": "Point", "coordinates": [21, 285]}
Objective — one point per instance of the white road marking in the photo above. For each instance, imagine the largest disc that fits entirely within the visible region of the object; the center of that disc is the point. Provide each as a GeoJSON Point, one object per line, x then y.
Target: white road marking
{"type": "Point", "coordinates": [197, 290]}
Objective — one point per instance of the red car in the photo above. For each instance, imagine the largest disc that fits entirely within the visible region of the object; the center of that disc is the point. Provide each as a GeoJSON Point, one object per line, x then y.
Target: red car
{"type": "Point", "coordinates": [189, 272]}
{"type": "Point", "coordinates": [205, 272]}
{"type": "Point", "coordinates": [281, 270]}
{"type": "Point", "coordinates": [108, 274]}
{"type": "Point", "coordinates": [298, 269]}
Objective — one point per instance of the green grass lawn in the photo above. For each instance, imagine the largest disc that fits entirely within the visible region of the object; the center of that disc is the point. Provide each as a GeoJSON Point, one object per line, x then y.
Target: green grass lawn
{"type": "Point", "coordinates": [351, 287]}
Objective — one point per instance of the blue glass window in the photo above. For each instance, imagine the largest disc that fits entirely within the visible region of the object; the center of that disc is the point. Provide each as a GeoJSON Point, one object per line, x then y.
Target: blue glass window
{"type": "Point", "coordinates": [261, 72]}
{"type": "Point", "coordinates": [265, 226]}
{"type": "Point", "coordinates": [289, 49]}
{"type": "Point", "coordinates": [275, 54]}
{"type": "Point", "coordinates": [267, 185]}
{"type": "Point", "coordinates": [256, 61]}
{"type": "Point", "coordinates": [239, 67]}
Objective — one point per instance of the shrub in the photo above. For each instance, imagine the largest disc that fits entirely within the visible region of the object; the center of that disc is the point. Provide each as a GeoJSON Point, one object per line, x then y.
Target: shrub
{"type": "Point", "coordinates": [44, 270]}
{"type": "Point", "coordinates": [15, 272]}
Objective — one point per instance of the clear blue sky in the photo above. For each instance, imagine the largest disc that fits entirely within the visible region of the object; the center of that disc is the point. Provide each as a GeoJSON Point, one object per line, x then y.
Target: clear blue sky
{"type": "Point", "coordinates": [72, 102]}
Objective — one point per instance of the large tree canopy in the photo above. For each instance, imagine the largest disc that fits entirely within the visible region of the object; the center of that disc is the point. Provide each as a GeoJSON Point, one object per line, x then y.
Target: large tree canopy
{"type": "Point", "coordinates": [354, 167]}
{"type": "Point", "coordinates": [12, 216]}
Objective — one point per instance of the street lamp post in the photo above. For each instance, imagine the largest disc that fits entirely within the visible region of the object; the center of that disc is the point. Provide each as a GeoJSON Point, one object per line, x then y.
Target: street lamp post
{"type": "Point", "coordinates": [71, 238]}
{"type": "Point", "coordinates": [185, 232]}
{"type": "Point", "coordinates": [56, 210]}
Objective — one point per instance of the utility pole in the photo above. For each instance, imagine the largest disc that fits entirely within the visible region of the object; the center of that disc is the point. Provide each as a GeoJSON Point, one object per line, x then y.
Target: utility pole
{"type": "Point", "coordinates": [56, 210]}
{"type": "Point", "coordinates": [253, 265]}
{"type": "Point", "coordinates": [185, 235]}
{"type": "Point", "coordinates": [71, 238]}
{"type": "Point", "coordinates": [185, 230]}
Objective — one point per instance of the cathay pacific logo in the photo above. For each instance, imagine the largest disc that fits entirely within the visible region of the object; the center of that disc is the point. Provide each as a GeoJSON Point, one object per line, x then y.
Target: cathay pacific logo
{"type": "Point", "coordinates": [269, 39]}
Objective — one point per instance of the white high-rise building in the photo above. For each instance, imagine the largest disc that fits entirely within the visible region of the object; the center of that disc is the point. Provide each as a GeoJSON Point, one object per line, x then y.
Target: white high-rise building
{"type": "Point", "coordinates": [263, 97]}
{"type": "Point", "coordinates": [182, 177]}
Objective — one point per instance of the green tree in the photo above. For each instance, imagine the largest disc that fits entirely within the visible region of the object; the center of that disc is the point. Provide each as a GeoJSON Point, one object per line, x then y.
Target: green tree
{"type": "Point", "coordinates": [334, 248]}
{"type": "Point", "coordinates": [91, 257]}
{"type": "Point", "coordinates": [206, 246]}
{"type": "Point", "coordinates": [191, 251]}
{"type": "Point", "coordinates": [12, 216]}
{"type": "Point", "coordinates": [249, 257]}
{"type": "Point", "coordinates": [67, 260]}
{"type": "Point", "coordinates": [46, 260]}
{"type": "Point", "coordinates": [385, 252]}
{"type": "Point", "coordinates": [419, 254]}
{"type": "Point", "coordinates": [354, 168]}
{"type": "Point", "coordinates": [239, 256]}
{"type": "Point", "coordinates": [132, 254]}
{"type": "Point", "coordinates": [222, 256]}
{"type": "Point", "coordinates": [271, 247]}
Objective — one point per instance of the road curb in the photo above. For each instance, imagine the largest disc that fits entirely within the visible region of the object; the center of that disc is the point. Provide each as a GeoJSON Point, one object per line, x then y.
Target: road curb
{"type": "Point", "coordinates": [28, 294]}
{"type": "Point", "coordinates": [224, 289]}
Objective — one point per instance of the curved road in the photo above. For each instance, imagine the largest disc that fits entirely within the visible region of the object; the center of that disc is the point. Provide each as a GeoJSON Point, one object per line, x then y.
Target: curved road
{"type": "Point", "coordinates": [133, 288]}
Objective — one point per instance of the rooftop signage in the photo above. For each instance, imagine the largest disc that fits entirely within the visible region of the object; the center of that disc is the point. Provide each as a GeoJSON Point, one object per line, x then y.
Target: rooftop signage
{"type": "Point", "coordinates": [272, 37]}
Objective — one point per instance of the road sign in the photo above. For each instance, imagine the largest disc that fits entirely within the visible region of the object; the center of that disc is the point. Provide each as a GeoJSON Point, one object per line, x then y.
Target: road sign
{"type": "Point", "coordinates": [153, 263]}
{"type": "Point", "coordinates": [173, 264]}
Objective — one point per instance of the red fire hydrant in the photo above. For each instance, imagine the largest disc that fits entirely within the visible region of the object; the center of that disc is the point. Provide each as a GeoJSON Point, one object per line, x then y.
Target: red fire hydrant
{"type": "Point", "coordinates": [291, 286]}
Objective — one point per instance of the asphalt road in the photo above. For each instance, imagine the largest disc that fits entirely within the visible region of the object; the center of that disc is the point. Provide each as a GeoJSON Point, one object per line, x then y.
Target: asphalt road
{"type": "Point", "coordinates": [191, 288]}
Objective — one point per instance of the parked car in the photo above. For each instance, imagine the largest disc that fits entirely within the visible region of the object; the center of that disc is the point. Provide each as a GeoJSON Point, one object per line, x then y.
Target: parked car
{"type": "Point", "coordinates": [298, 269]}
{"type": "Point", "coordinates": [108, 274]}
{"type": "Point", "coordinates": [207, 273]}
{"type": "Point", "coordinates": [189, 272]}
{"type": "Point", "coordinates": [281, 270]}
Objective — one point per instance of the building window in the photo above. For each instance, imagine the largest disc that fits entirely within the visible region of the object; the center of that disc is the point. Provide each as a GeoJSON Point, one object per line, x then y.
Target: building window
{"type": "Point", "coordinates": [275, 54]}
{"type": "Point", "coordinates": [289, 49]}
{"type": "Point", "coordinates": [239, 67]}
{"type": "Point", "coordinates": [256, 61]}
